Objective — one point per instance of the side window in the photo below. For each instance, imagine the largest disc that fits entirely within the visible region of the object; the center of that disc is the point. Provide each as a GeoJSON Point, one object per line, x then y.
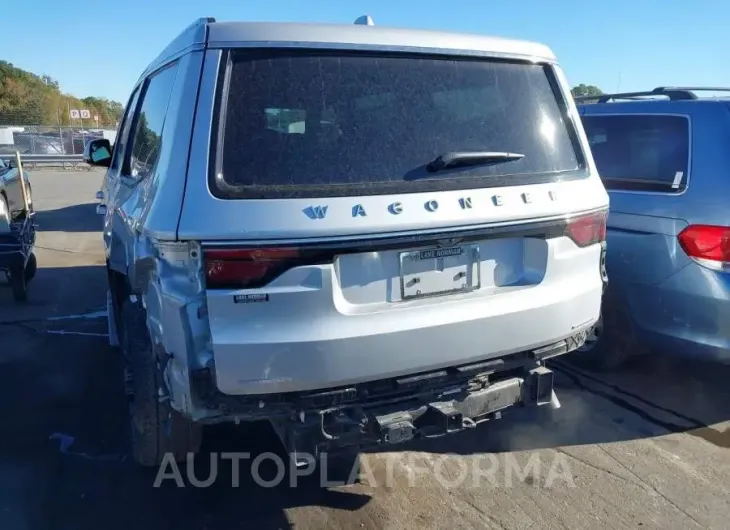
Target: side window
{"type": "Point", "coordinates": [3, 167]}
{"type": "Point", "coordinates": [646, 152]}
{"type": "Point", "coordinates": [147, 139]}
{"type": "Point", "coordinates": [123, 134]}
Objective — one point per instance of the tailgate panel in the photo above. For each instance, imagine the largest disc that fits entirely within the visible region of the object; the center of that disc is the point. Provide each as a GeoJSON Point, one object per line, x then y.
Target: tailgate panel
{"type": "Point", "coordinates": [377, 279]}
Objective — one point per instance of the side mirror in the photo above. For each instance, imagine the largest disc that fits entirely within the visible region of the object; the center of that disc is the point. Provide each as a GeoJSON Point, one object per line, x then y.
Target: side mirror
{"type": "Point", "coordinates": [98, 152]}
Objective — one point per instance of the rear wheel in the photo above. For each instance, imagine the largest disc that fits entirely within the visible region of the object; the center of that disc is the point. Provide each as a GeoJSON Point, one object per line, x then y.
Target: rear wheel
{"type": "Point", "coordinates": [31, 267]}
{"type": "Point", "coordinates": [156, 429]}
{"type": "Point", "coordinates": [18, 283]}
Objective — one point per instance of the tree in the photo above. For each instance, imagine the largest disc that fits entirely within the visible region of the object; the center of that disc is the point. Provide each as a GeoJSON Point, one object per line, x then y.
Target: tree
{"type": "Point", "coordinates": [47, 79]}
{"type": "Point", "coordinates": [30, 99]}
{"type": "Point", "coordinates": [583, 90]}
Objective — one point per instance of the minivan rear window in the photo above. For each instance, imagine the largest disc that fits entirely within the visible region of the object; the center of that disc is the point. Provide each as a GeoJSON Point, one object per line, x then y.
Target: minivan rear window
{"type": "Point", "coordinates": [323, 124]}
{"type": "Point", "coordinates": [647, 152]}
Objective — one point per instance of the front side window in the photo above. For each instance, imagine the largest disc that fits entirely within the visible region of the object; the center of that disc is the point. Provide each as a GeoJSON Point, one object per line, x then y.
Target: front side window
{"type": "Point", "coordinates": [306, 124]}
{"type": "Point", "coordinates": [147, 140]}
{"type": "Point", "coordinates": [647, 152]}
{"type": "Point", "coordinates": [124, 131]}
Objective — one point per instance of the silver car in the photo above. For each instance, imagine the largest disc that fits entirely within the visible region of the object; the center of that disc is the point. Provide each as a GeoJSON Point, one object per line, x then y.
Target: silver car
{"type": "Point", "coordinates": [11, 192]}
{"type": "Point", "coordinates": [361, 234]}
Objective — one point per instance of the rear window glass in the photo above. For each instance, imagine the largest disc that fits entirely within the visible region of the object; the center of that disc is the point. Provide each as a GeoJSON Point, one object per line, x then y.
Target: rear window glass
{"type": "Point", "coordinates": [640, 152]}
{"type": "Point", "coordinates": [306, 124]}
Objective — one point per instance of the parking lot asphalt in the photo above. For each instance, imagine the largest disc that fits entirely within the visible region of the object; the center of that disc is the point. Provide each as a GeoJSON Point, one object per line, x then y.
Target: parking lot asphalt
{"type": "Point", "coordinates": [645, 447]}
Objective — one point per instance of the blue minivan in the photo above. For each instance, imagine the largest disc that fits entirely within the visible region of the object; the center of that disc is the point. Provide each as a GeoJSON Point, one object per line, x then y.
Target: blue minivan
{"type": "Point", "coordinates": [664, 157]}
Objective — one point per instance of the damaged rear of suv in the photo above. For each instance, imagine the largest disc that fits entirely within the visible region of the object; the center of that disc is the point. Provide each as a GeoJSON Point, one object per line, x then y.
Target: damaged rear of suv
{"type": "Point", "coordinates": [363, 235]}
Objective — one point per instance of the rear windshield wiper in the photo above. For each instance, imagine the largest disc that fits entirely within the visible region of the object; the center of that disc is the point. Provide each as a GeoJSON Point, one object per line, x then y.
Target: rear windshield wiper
{"type": "Point", "coordinates": [470, 158]}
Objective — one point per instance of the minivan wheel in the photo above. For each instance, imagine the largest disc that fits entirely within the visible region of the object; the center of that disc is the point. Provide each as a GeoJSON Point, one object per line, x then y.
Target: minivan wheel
{"type": "Point", "coordinates": [156, 429]}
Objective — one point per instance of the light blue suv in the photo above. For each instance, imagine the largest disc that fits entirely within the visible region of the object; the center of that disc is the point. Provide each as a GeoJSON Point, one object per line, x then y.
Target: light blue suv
{"type": "Point", "coordinates": [664, 157]}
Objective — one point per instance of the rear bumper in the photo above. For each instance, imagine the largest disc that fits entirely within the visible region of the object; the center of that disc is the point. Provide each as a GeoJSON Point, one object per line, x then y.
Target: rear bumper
{"type": "Point", "coordinates": [470, 333]}
{"type": "Point", "coordinates": [445, 412]}
{"type": "Point", "coordinates": [396, 410]}
{"type": "Point", "coordinates": [686, 315]}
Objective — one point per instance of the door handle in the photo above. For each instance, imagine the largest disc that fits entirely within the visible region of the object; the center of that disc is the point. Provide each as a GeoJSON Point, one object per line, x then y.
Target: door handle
{"type": "Point", "coordinates": [101, 209]}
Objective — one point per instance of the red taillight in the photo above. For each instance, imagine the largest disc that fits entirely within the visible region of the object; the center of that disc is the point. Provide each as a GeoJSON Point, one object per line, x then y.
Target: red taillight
{"type": "Point", "coordinates": [246, 268]}
{"type": "Point", "coordinates": [707, 243]}
{"type": "Point", "coordinates": [588, 229]}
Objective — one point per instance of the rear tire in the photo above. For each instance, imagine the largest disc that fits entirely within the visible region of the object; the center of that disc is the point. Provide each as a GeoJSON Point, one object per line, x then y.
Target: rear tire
{"type": "Point", "coordinates": [156, 429]}
{"type": "Point", "coordinates": [18, 283]}
{"type": "Point", "coordinates": [31, 268]}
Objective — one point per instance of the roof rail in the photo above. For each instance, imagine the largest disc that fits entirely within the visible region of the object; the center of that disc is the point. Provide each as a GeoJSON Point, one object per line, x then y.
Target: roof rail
{"type": "Point", "coordinates": [671, 92]}
{"type": "Point", "coordinates": [365, 20]}
{"type": "Point", "coordinates": [194, 34]}
{"type": "Point", "coordinates": [202, 21]}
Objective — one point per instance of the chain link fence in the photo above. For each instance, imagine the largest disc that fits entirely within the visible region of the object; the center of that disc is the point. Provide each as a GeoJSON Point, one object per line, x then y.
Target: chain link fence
{"type": "Point", "coordinates": [49, 140]}
{"type": "Point", "coordinates": [43, 130]}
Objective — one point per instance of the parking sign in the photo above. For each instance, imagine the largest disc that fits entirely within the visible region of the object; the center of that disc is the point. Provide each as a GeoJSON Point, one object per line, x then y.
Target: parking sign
{"type": "Point", "coordinates": [85, 114]}
{"type": "Point", "coordinates": [75, 114]}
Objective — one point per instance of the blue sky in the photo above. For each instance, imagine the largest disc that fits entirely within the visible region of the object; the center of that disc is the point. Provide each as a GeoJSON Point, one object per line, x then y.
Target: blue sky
{"type": "Point", "coordinates": [92, 49]}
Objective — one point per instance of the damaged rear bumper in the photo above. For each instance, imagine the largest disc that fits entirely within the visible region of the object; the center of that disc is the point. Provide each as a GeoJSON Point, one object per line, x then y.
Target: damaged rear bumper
{"type": "Point", "coordinates": [452, 410]}
{"type": "Point", "coordinates": [394, 410]}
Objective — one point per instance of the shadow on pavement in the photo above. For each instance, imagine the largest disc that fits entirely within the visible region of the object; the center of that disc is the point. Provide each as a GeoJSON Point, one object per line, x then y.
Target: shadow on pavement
{"type": "Point", "coordinates": [77, 391]}
{"type": "Point", "coordinates": [651, 396]}
{"type": "Point", "coordinates": [70, 387]}
{"type": "Point", "coordinates": [56, 291]}
{"type": "Point", "coordinates": [75, 218]}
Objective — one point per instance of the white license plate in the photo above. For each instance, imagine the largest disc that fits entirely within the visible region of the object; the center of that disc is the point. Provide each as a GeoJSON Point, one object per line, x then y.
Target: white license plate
{"type": "Point", "coordinates": [439, 271]}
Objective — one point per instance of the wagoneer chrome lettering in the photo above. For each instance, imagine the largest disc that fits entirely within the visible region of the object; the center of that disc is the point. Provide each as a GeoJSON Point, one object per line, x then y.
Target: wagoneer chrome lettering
{"type": "Point", "coordinates": [395, 208]}
{"type": "Point", "coordinates": [316, 212]}
{"type": "Point", "coordinates": [431, 206]}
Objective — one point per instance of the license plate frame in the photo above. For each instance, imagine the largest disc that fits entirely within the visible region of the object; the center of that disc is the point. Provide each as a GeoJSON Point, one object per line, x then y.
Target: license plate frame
{"type": "Point", "coordinates": [425, 266]}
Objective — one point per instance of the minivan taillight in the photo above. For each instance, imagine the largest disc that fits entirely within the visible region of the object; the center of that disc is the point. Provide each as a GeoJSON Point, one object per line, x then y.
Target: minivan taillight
{"type": "Point", "coordinates": [588, 229]}
{"type": "Point", "coordinates": [708, 245]}
{"type": "Point", "coordinates": [246, 268]}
